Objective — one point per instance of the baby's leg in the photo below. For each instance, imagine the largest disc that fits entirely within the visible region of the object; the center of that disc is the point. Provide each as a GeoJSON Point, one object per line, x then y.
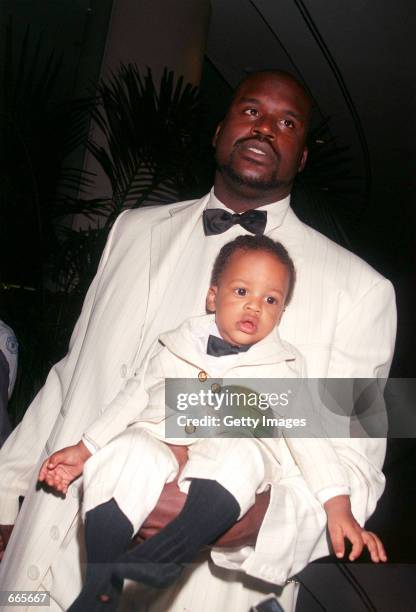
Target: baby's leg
{"type": "Point", "coordinates": [132, 470]}
{"type": "Point", "coordinates": [238, 464]}
{"type": "Point", "coordinates": [223, 473]}
{"type": "Point", "coordinates": [122, 483]}
{"type": "Point", "coordinates": [209, 510]}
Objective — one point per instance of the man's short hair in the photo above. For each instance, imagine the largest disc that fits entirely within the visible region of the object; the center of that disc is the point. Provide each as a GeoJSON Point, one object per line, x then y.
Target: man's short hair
{"type": "Point", "coordinates": [284, 74]}
{"type": "Point", "coordinates": [254, 243]}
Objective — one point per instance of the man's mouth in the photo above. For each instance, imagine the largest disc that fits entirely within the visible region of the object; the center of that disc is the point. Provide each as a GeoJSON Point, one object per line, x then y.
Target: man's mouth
{"type": "Point", "coordinates": [256, 151]}
{"type": "Point", "coordinates": [257, 148]}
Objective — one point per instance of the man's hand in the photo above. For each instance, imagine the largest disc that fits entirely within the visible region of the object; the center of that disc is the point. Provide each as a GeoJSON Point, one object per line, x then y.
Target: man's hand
{"type": "Point", "coordinates": [5, 533]}
{"type": "Point", "coordinates": [342, 524]}
{"type": "Point", "coordinates": [171, 502]}
{"type": "Point", "coordinates": [61, 468]}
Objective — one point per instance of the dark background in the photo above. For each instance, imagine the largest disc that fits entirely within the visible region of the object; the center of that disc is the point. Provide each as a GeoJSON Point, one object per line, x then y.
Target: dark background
{"type": "Point", "coordinates": [356, 58]}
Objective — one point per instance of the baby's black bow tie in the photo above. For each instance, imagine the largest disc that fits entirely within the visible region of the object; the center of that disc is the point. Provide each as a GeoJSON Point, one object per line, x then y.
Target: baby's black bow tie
{"type": "Point", "coordinates": [217, 347]}
{"type": "Point", "coordinates": [217, 221]}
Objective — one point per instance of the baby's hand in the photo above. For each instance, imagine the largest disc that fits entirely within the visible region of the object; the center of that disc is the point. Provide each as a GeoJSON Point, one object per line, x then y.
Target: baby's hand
{"type": "Point", "coordinates": [61, 468]}
{"type": "Point", "coordinates": [342, 524]}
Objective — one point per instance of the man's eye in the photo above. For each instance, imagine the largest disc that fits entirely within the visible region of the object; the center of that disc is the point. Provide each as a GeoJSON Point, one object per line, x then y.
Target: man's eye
{"type": "Point", "coordinates": [240, 291]}
{"type": "Point", "coordinates": [253, 112]}
{"type": "Point", "coordinates": [288, 123]}
{"type": "Point", "coordinates": [271, 300]}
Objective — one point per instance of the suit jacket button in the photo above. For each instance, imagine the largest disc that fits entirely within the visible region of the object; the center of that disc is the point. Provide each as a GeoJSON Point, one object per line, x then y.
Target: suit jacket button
{"type": "Point", "coordinates": [215, 388]}
{"type": "Point", "coordinates": [202, 376]}
{"type": "Point", "coordinates": [33, 572]}
{"type": "Point", "coordinates": [189, 429]}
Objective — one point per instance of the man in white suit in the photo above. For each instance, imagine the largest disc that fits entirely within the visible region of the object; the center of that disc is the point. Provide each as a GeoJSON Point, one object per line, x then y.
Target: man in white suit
{"type": "Point", "coordinates": [153, 274]}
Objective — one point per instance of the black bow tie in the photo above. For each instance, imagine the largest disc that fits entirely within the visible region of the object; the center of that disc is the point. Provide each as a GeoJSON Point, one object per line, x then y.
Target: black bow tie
{"type": "Point", "coordinates": [217, 347]}
{"type": "Point", "coordinates": [217, 221]}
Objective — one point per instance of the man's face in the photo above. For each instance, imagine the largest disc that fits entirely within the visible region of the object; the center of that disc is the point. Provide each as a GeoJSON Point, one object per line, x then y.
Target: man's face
{"type": "Point", "coordinates": [260, 145]}
{"type": "Point", "coordinates": [250, 297]}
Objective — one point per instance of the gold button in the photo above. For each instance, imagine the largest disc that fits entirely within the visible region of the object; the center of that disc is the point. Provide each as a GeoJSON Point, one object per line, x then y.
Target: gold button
{"type": "Point", "coordinates": [202, 376]}
{"type": "Point", "coordinates": [189, 429]}
{"type": "Point", "coordinates": [215, 388]}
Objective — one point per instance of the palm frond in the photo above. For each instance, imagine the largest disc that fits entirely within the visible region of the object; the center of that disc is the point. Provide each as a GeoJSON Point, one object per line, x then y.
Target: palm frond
{"type": "Point", "coordinates": [38, 134]}
{"type": "Point", "coordinates": [151, 136]}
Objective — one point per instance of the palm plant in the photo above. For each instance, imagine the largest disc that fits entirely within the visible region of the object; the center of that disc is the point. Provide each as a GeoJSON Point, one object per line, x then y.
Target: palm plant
{"type": "Point", "coordinates": [38, 191]}
{"type": "Point", "coordinates": [38, 134]}
{"type": "Point", "coordinates": [154, 152]}
{"type": "Point", "coordinates": [155, 145]}
{"type": "Point", "coordinates": [326, 195]}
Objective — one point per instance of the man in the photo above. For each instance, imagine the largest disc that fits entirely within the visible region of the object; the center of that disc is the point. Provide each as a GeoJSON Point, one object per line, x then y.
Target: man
{"type": "Point", "coordinates": [342, 318]}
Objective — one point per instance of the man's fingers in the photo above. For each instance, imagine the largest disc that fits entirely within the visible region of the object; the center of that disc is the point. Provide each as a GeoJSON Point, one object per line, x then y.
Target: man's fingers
{"type": "Point", "coordinates": [337, 539]}
{"type": "Point", "coordinates": [372, 547]}
{"type": "Point", "coordinates": [356, 540]}
{"type": "Point", "coordinates": [375, 547]}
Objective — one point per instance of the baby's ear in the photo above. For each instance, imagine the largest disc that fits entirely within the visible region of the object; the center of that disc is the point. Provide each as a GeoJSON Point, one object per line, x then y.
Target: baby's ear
{"type": "Point", "coordinates": [211, 302]}
{"type": "Point", "coordinates": [281, 315]}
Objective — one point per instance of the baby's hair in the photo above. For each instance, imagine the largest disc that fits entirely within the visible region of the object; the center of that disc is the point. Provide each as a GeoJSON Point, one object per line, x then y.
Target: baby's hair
{"type": "Point", "coordinates": [254, 243]}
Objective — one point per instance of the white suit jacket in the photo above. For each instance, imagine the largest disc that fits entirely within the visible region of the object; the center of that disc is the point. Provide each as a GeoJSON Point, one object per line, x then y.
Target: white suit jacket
{"type": "Point", "coordinates": [177, 354]}
{"type": "Point", "coordinates": [342, 319]}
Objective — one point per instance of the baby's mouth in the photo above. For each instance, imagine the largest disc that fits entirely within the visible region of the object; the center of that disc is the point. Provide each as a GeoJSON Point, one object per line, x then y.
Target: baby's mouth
{"type": "Point", "coordinates": [248, 326]}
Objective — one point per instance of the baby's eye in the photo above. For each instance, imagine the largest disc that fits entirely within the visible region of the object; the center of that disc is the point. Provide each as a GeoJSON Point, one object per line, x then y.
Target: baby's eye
{"type": "Point", "coordinates": [271, 300]}
{"type": "Point", "coordinates": [240, 291]}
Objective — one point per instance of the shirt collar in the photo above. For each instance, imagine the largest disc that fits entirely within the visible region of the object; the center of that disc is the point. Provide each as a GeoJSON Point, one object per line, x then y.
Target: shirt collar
{"type": "Point", "coordinates": [276, 211]}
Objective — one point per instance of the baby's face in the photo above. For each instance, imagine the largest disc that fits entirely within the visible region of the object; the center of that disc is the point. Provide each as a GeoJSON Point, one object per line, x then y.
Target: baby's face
{"type": "Point", "coordinates": [250, 297]}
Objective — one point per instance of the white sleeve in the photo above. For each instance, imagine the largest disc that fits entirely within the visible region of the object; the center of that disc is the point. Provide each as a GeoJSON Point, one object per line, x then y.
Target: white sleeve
{"type": "Point", "coordinates": [129, 402]}
{"type": "Point", "coordinates": [364, 338]}
{"type": "Point", "coordinates": [22, 450]}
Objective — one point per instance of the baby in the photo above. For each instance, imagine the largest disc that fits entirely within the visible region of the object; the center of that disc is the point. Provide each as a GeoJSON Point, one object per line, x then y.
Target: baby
{"type": "Point", "coordinates": [252, 282]}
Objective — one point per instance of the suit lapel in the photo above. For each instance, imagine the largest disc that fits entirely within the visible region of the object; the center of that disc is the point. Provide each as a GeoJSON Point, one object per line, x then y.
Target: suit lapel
{"type": "Point", "coordinates": [167, 242]}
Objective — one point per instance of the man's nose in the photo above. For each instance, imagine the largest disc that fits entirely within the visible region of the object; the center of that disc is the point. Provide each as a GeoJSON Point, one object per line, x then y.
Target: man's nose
{"type": "Point", "coordinates": [265, 127]}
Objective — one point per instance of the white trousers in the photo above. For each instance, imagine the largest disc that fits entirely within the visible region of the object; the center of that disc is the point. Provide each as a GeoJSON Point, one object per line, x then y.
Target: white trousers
{"type": "Point", "coordinates": [202, 587]}
{"type": "Point", "coordinates": [134, 467]}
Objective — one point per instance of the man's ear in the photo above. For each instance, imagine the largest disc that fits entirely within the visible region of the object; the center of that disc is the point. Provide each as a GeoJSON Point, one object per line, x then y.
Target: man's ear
{"type": "Point", "coordinates": [303, 159]}
{"type": "Point", "coordinates": [211, 302]}
{"type": "Point", "coordinates": [217, 131]}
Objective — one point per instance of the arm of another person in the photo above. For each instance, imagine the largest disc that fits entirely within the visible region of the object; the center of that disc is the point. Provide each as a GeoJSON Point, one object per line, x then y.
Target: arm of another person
{"type": "Point", "coordinates": [5, 426]}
